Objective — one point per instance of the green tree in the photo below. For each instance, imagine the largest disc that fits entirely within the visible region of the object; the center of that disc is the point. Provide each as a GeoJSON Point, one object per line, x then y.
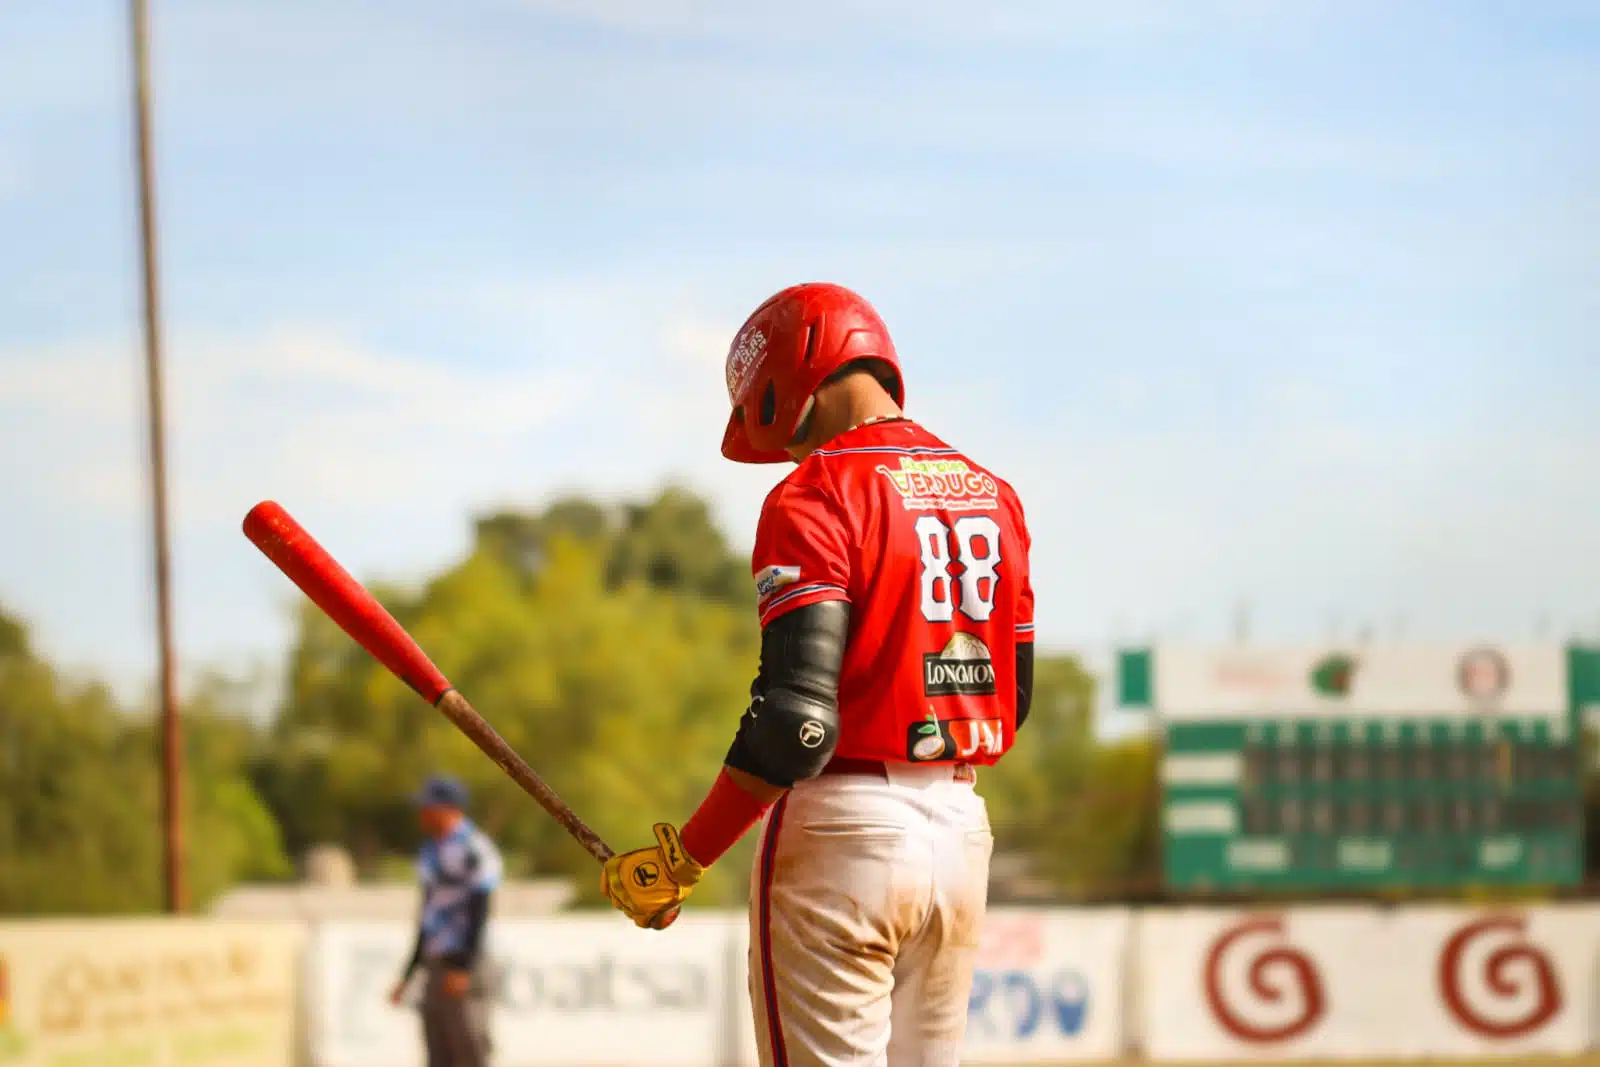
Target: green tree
{"type": "Point", "coordinates": [76, 826]}
{"type": "Point", "coordinates": [674, 543]}
{"type": "Point", "coordinates": [587, 638]}
{"type": "Point", "coordinates": [79, 824]}
{"type": "Point", "coordinates": [670, 542]}
{"type": "Point", "coordinates": [1105, 842]}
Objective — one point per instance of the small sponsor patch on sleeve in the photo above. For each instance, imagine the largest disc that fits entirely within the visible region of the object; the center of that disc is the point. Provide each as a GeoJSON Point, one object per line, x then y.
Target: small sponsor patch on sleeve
{"type": "Point", "coordinates": [771, 579]}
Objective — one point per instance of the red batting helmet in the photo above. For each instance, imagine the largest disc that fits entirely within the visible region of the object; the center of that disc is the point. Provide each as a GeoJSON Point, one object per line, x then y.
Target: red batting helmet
{"type": "Point", "coordinates": [784, 352]}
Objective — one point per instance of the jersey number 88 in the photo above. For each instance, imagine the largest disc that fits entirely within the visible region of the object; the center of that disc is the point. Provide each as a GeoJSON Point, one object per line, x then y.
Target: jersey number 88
{"type": "Point", "coordinates": [977, 548]}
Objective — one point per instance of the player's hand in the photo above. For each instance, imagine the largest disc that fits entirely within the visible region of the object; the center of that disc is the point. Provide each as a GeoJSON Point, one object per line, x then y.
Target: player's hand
{"type": "Point", "coordinates": [648, 885]}
{"type": "Point", "coordinates": [455, 983]}
{"type": "Point", "coordinates": [397, 995]}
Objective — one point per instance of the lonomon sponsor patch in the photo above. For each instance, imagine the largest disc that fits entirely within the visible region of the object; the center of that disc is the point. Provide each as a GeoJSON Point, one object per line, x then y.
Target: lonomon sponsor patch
{"type": "Point", "coordinates": [962, 668]}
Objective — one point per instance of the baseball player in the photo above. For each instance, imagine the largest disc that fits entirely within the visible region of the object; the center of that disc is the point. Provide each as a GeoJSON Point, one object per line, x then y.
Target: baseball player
{"type": "Point", "coordinates": [892, 583]}
{"type": "Point", "coordinates": [459, 869]}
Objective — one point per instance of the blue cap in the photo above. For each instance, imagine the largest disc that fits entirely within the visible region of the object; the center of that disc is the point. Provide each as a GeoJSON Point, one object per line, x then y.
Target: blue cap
{"type": "Point", "coordinates": [442, 791]}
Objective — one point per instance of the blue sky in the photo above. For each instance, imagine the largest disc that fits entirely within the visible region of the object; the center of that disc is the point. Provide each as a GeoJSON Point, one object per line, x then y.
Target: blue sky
{"type": "Point", "coordinates": [1290, 303]}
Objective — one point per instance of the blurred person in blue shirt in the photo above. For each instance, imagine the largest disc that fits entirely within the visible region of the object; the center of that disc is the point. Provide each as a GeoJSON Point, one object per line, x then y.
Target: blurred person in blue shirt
{"type": "Point", "coordinates": [459, 869]}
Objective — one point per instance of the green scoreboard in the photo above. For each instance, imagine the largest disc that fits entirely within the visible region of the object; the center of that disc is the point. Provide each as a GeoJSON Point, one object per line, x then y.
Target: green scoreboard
{"type": "Point", "coordinates": [1368, 767]}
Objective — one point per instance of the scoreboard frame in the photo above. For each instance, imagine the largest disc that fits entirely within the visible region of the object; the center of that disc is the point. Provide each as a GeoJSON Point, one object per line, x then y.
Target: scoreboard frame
{"type": "Point", "coordinates": [1364, 769]}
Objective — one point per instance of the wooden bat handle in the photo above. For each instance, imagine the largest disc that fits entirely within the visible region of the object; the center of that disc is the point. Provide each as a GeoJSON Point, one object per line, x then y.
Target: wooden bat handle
{"type": "Point", "coordinates": [477, 728]}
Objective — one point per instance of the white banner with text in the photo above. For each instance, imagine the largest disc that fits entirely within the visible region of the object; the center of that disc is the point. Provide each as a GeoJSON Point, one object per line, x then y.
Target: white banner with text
{"type": "Point", "coordinates": [148, 993]}
{"type": "Point", "coordinates": [579, 991]}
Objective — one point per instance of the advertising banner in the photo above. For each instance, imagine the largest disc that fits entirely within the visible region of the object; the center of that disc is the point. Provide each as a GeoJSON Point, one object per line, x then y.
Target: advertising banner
{"type": "Point", "coordinates": [570, 991]}
{"type": "Point", "coordinates": [1352, 983]}
{"type": "Point", "coordinates": [150, 993]}
{"type": "Point", "coordinates": [1525, 681]}
{"type": "Point", "coordinates": [1491, 983]}
{"type": "Point", "coordinates": [1049, 987]}
{"type": "Point", "coordinates": [1270, 985]}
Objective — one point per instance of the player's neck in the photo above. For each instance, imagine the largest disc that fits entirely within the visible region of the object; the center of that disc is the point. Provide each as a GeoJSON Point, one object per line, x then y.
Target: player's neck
{"type": "Point", "coordinates": [840, 407]}
{"type": "Point", "coordinates": [853, 402]}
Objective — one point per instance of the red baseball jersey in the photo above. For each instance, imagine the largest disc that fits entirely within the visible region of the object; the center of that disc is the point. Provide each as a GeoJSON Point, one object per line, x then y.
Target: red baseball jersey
{"type": "Point", "coordinates": [931, 551]}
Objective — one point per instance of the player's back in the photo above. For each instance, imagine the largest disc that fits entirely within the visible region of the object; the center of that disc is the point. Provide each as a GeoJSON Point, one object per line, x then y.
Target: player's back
{"type": "Point", "coordinates": [931, 550]}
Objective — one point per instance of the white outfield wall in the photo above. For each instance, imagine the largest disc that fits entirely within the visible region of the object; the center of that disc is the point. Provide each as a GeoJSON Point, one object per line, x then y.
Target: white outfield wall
{"type": "Point", "coordinates": [595, 991]}
{"type": "Point", "coordinates": [1052, 986]}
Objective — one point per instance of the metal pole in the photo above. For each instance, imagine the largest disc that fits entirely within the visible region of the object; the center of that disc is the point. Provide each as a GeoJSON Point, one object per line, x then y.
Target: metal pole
{"type": "Point", "coordinates": [171, 730]}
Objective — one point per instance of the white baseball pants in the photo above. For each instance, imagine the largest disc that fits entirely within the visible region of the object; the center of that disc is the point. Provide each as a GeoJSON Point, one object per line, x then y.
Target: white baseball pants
{"type": "Point", "coordinates": [867, 901]}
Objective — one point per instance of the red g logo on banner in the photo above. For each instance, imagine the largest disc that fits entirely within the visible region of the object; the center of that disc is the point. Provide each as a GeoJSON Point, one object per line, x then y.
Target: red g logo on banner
{"type": "Point", "coordinates": [1517, 976]}
{"type": "Point", "coordinates": [1271, 972]}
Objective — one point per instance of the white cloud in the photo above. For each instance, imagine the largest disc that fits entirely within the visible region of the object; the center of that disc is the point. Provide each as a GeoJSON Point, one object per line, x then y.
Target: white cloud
{"type": "Point", "coordinates": [298, 411]}
{"type": "Point", "coordinates": [383, 456]}
{"type": "Point", "coordinates": [56, 378]}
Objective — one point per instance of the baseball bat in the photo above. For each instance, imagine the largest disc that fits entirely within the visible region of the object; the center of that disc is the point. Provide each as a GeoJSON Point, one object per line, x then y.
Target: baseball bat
{"type": "Point", "coordinates": [308, 565]}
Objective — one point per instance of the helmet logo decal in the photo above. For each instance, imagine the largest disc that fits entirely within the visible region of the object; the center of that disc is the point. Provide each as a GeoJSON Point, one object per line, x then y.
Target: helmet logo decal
{"type": "Point", "coordinates": [743, 362]}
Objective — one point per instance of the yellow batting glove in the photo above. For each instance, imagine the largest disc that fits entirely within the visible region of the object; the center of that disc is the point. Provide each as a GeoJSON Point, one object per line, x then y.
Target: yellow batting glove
{"type": "Point", "coordinates": [648, 885]}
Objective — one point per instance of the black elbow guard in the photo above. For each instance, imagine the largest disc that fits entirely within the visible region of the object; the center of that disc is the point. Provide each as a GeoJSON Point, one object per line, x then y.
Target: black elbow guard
{"type": "Point", "coordinates": [791, 728]}
{"type": "Point", "coordinates": [1024, 681]}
